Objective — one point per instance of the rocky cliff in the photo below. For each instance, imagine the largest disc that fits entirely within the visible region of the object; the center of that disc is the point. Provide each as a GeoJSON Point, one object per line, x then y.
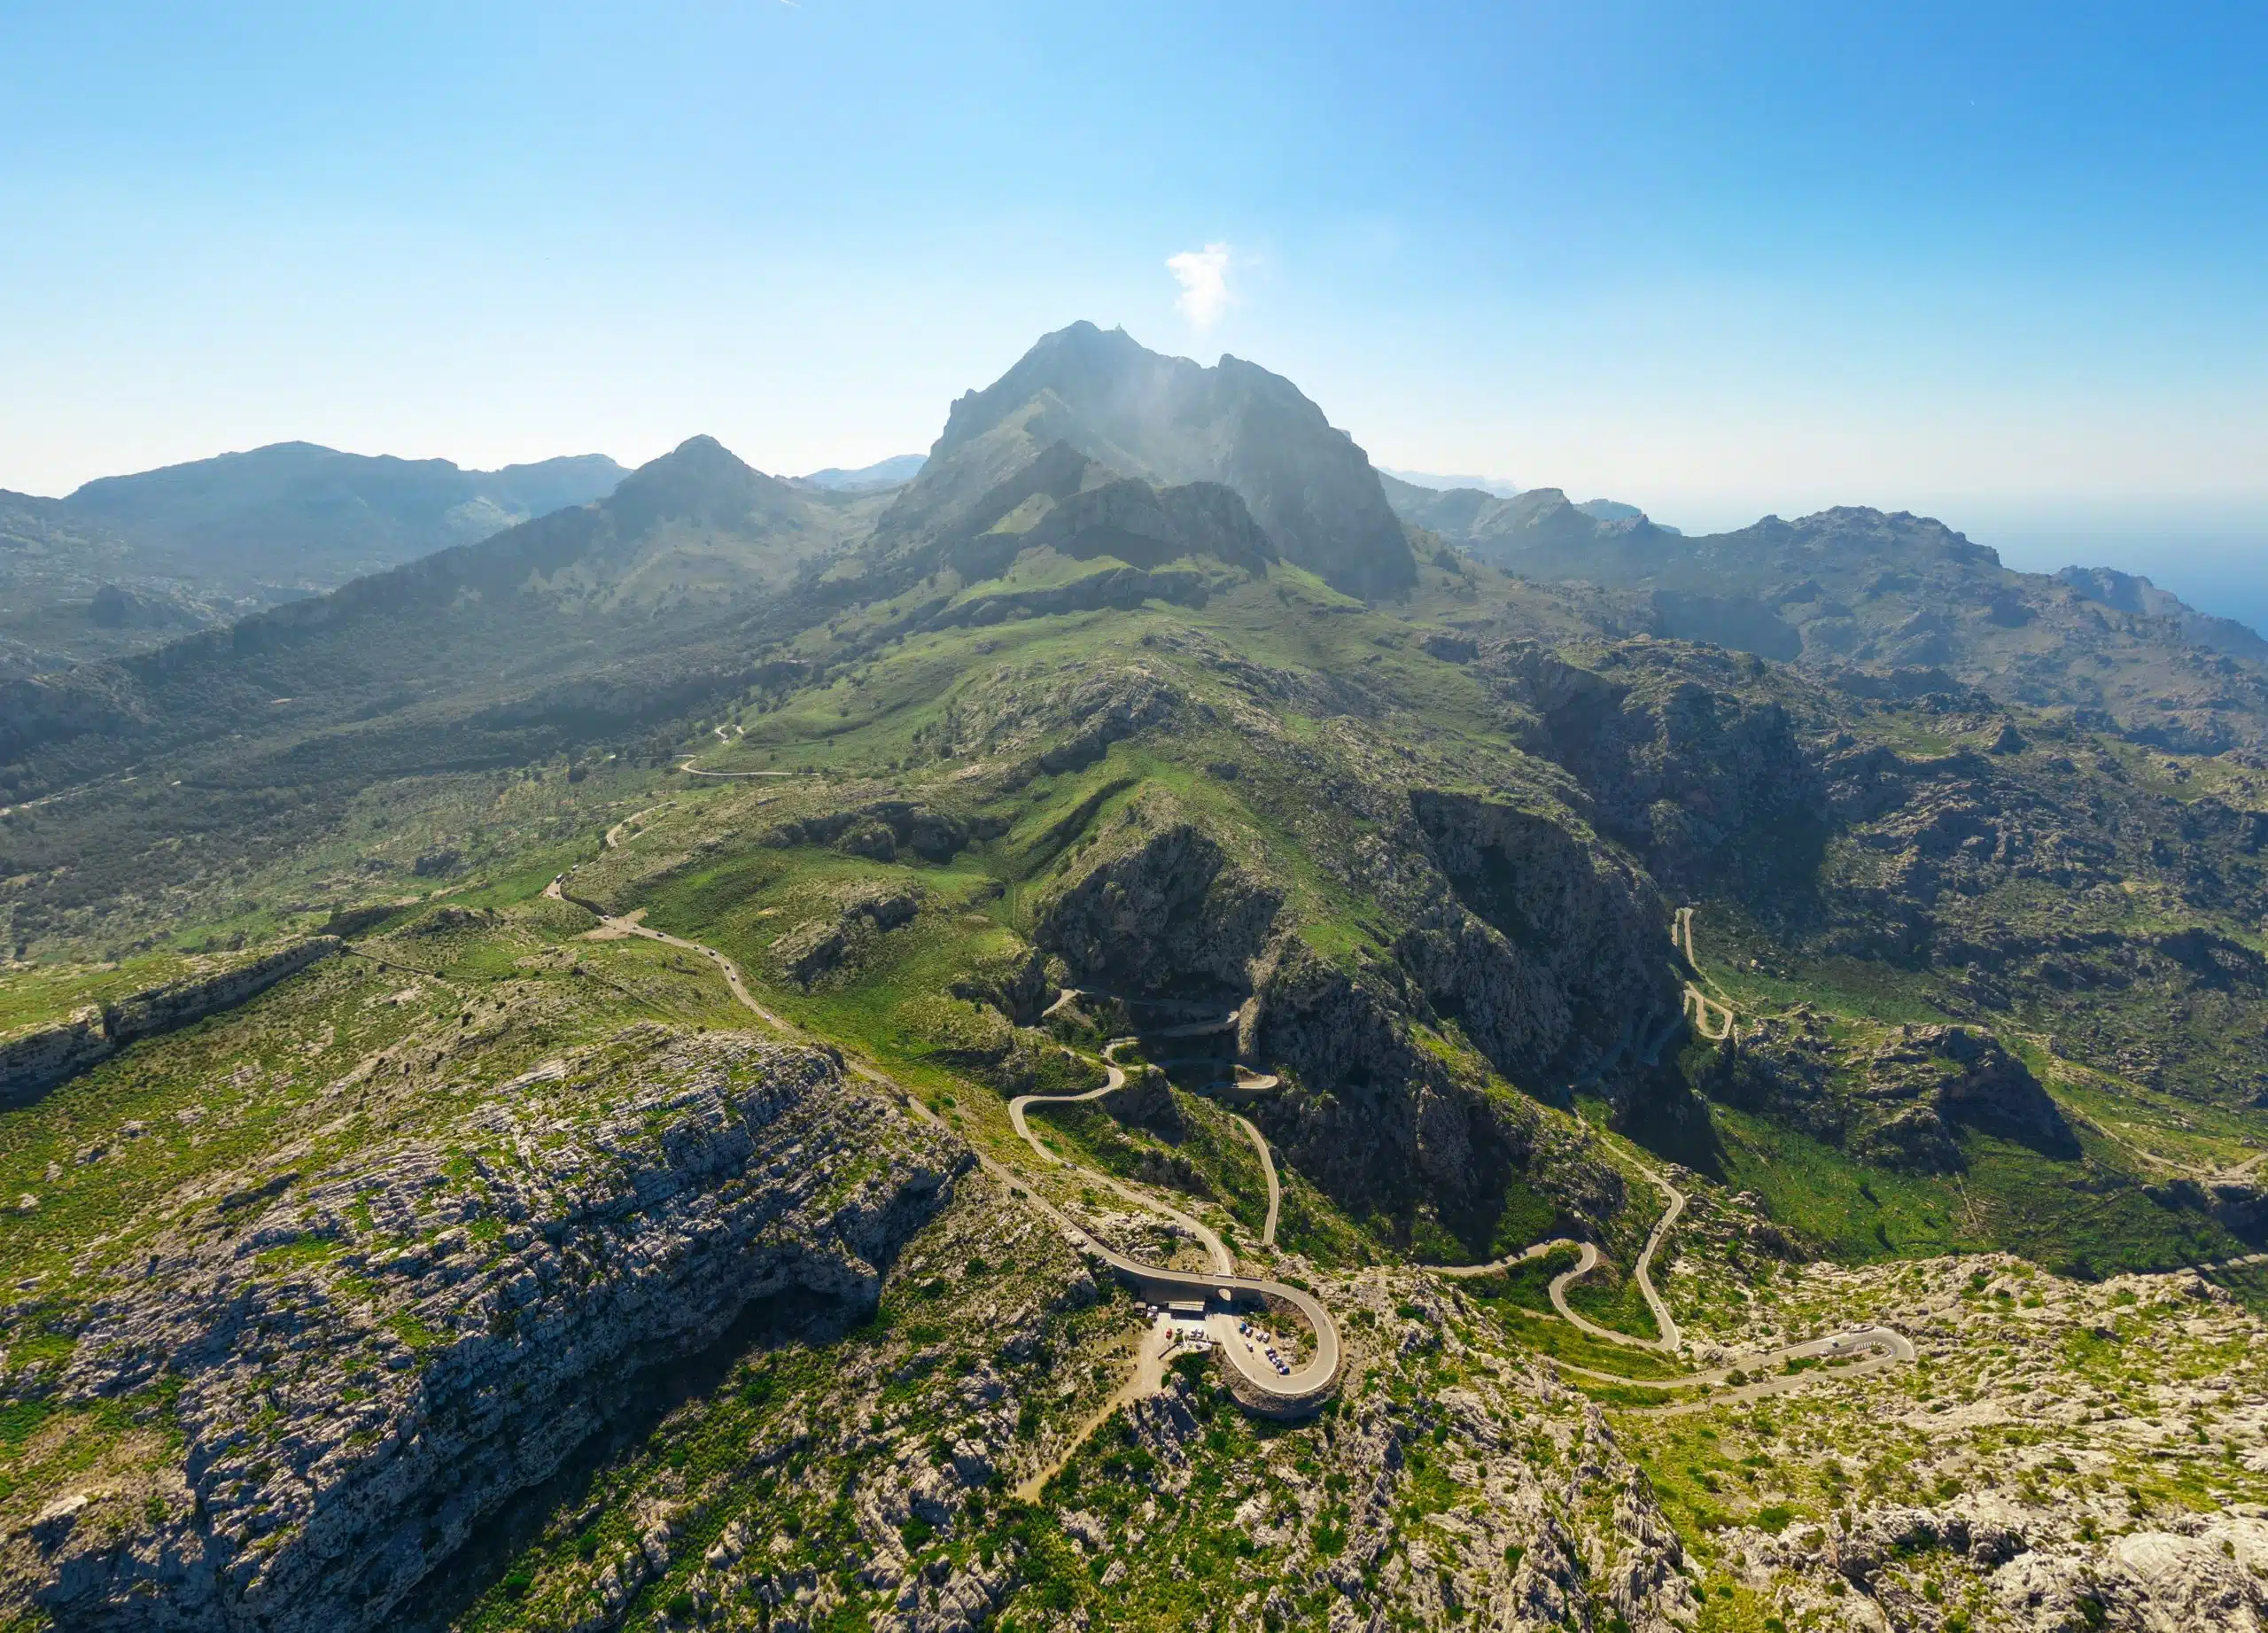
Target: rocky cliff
{"type": "Point", "coordinates": [35, 1062]}
{"type": "Point", "coordinates": [161, 1009]}
{"type": "Point", "coordinates": [1547, 947]}
{"type": "Point", "coordinates": [1900, 1096]}
{"type": "Point", "coordinates": [362, 1364]}
{"type": "Point", "coordinates": [1498, 920]}
{"type": "Point", "coordinates": [1683, 750]}
{"type": "Point", "coordinates": [1165, 906]}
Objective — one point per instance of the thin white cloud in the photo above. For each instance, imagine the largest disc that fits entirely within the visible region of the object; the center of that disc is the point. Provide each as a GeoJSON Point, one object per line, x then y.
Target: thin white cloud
{"type": "Point", "coordinates": [1203, 276]}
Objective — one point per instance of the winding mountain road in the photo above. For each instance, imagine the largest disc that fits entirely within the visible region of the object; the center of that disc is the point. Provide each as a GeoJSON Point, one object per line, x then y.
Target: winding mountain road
{"type": "Point", "coordinates": [1241, 1078]}
{"type": "Point", "coordinates": [1533, 1250]}
{"type": "Point", "coordinates": [1312, 1379]}
{"type": "Point", "coordinates": [1309, 1383]}
{"type": "Point", "coordinates": [1589, 1260]}
{"type": "Point", "coordinates": [1885, 1346]}
{"type": "Point", "coordinates": [1696, 1002]}
{"type": "Point", "coordinates": [1671, 1338]}
{"type": "Point", "coordinates": [1267, 1168]}
{"type": "Point", "coordinates": [1224, 1263]}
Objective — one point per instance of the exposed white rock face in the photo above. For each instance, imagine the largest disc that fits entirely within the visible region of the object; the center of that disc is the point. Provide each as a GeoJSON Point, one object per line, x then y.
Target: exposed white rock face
{"type": "Point", "coordinates": [2198, 1573]}
{"type": "Point", "coordinates": [371, 1360]}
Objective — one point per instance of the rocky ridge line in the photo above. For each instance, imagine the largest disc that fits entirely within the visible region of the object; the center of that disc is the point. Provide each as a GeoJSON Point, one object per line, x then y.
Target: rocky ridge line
{"type": "Point", "coordinates": [364, 1364]}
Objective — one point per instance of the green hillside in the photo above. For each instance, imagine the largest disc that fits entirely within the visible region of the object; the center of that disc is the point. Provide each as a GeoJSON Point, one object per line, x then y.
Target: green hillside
{"type": "Point", "coordinates": [127, 563]}
{"type": "Point", "coordinates": [1736, 1112]}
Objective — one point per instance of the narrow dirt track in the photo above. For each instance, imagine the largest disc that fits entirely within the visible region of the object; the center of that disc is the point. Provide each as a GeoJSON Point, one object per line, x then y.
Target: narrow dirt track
{"type": "Point", "coordinates": [630, 926]}
{"type": "Point", "coordinates": [687, 765]}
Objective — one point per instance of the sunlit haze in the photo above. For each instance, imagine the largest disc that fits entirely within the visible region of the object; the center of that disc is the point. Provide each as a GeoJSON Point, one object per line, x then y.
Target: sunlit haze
{"type": "Point", "coordinates": [2005, 266]}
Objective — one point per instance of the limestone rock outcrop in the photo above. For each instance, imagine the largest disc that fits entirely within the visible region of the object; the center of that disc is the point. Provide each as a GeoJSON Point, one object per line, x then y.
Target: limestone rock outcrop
{"type": "Point", "coordinates": [36, 1061]}
{"type": "Point", "coordinates": [1546, 946]}
{"type": "Point", "coordinates": [1934, 1080]}
{"type": "Point", "coordinates": [364, 1363]}
{"type": "Point", "coordinates": [1901, 1100]}
{"type": "Point", "coordinates": [1165, 902]}
{"type": "Point", "coordinates": [822, 947]}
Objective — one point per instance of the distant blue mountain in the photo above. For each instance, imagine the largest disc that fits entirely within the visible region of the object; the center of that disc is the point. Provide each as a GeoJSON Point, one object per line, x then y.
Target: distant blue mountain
{"type": "Point", "coordinates": [899, 468]}
{"type": "Point", "coordinates": [1497, 486]}
{"type": "Point", "coordinates": [300, 514]}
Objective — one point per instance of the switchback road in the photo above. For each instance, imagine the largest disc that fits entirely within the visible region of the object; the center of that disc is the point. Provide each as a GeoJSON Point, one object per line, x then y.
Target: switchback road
{"type": "Point", "coordinates": [1312, 1379]}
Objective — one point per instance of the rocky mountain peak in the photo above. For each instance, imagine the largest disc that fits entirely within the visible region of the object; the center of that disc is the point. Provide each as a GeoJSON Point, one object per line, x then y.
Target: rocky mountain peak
{"type": "Point", "coordinates": [1173, 422]}
{"type": "Point", "coordinates": [1100, 372]}
{"type": "Point", "coordinates": [700, 480]}
{"type": "Point", "coordinates": [1865, 528]}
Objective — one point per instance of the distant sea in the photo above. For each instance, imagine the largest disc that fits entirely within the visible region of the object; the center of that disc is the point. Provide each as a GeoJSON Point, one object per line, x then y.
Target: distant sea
{"type": "Point", "coordinates": [2221, 573]}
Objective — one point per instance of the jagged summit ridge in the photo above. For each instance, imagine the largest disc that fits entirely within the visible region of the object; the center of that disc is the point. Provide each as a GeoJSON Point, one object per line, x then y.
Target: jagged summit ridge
{"type": "Point", "coordinates": [1175, 421]}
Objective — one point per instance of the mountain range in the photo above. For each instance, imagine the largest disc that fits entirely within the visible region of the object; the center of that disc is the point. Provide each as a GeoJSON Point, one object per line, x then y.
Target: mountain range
{"type": "Point", "coordinates": [891, 472]}
{"type": "Point", "coordinates": [1133, 1024]}
{"type": "Point", "coordinates": [124, 559]}
{"type": "Point", "coordinates": [1902, 599]}
{"type": "Point", "coordinates": [1495, 486]}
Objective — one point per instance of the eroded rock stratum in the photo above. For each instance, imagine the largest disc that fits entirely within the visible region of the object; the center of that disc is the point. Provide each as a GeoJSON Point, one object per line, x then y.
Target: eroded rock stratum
{"type": "Point", "coordinates": [341, 1373]}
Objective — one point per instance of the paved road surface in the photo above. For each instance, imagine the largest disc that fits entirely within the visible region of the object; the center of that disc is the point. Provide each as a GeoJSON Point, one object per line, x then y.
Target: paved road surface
{"type": "Point", "coordinates": [1193, 1029]}
{"type": "Point", "coordinates": [1697, 1001]}
{"type": "Point", "coordinates": [1313, 1377]}
{"type": "Point", "coordinates": [1266, 1167]}
{"type": "Point", "coordinates": [1671, 1338]}
{"type": "Point", "coordinates": [1884, 1348]}
{"type": "Point", "coordinates": [1242, 1079]}
{"type": "Point", "coordinates": [1214, 1249]}
{"type": "Point", "coordinates": [1309, 1379]}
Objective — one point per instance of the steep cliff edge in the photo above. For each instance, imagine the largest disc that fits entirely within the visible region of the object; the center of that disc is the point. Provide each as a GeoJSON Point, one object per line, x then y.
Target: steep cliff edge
{"type": "Point", "coordinates": [1900, 1096]}
{"type": "Point", "coordinates": [343, 1374]}
{"type": "Point", "coordinates": [37, 1058]}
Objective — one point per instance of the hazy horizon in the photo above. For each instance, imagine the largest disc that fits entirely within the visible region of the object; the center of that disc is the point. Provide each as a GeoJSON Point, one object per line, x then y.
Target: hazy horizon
{"type": "Point", "coordinates": [2005, 270]}
{"type": "Point", "coordinates": [2211, 555]}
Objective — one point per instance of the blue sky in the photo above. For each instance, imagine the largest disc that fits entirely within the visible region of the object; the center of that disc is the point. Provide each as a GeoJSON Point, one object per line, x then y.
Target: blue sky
{"type": "Point", "coordinates": [2004, 263]}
